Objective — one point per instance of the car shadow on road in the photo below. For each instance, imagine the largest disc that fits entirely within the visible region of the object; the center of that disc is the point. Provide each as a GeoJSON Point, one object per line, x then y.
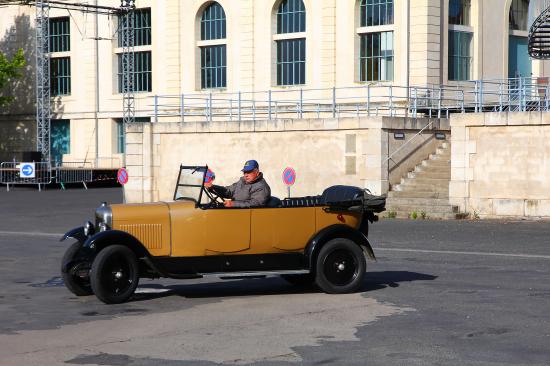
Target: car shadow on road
{"type": "Point", "coordinates": [382, 279]}
{"type": "Point", "coordinates": [268, 286]}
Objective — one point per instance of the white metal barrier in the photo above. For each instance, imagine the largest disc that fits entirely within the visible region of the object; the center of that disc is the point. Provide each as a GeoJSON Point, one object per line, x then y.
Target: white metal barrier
{"type": "Point", "coordinates": [73, 172]}
{"type": "Point", "coordinates": [10, 173]}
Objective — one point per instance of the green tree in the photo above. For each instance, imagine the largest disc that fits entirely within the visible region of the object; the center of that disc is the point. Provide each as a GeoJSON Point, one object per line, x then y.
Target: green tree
{"type": "Point", "coordinates": [9, 70]}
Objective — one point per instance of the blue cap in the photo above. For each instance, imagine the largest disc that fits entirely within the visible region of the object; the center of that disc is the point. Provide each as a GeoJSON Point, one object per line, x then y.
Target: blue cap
{"type": "Point", "coordinates": [250, 165]}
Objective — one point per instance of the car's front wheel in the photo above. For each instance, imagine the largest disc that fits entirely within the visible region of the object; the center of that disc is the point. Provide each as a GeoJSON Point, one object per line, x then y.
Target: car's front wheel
{"type": "Point", "coordinates": [340, 267]}
{"type": "Point", "coordinates": [76, 277]}
{"type": "Point", "coordinates": [115, 274]}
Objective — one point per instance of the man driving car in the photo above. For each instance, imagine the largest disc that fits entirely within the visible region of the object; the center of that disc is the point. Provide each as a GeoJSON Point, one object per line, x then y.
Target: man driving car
{"type": "Point", "coordinates": [251, 190]}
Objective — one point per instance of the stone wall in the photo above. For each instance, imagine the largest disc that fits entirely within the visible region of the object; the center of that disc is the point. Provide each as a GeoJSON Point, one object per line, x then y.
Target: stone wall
{"type": "Point", "coordinates": [323, 152]}
{"type": "Point", "coordinates": [500, 164]}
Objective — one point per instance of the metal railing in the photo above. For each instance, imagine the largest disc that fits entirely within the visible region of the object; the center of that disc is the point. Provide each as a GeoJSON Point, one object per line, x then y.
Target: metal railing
{"type": "Point", "coordinates": [59, 172]}
{"type": "Point", "coordinates": [73, 172]}
{"type": "Point", "coordinates": [518, 94]}
{"type": "Point", "coordinates": [10, 174]}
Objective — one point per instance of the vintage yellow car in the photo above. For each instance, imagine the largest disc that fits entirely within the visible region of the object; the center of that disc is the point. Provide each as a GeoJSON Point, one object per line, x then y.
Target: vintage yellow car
{"type": "Point", "coordinates": [321, 239]}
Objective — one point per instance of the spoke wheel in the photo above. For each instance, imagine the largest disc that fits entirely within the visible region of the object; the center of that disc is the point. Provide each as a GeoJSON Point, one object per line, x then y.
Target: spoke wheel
{"type": "Point", "coordinates": [340, 267]}
{"type": "Point", "coordinates": [115, 274]}
{"type": "Point", "coordinates": [76, 277]}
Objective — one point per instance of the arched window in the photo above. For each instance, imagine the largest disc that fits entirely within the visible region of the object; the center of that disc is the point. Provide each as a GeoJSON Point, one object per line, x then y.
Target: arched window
{"type": "Point", "coordinates": [459, 12]}
{"type": "Point", "coordinates": [460, 40]}
{"type": "Point", "coordinates": [213, 55]}
{"type": "Point", "coordinates": [376, 46]}
{"type": "Point", "coordinates": [291, 51]}
{"type": "Point", "coordinates": [376, 12]}
{"type": "Point", "coordinates": [518, 15]}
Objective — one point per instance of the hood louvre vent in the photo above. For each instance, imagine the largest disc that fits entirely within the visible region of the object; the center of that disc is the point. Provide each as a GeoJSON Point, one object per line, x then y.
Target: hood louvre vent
{"type": "Point", "coordinates": [149, 234]}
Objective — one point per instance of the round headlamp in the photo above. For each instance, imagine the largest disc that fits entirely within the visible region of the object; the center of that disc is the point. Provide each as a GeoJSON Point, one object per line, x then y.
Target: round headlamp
{"type": "Point", "coordinates": [89, 228]}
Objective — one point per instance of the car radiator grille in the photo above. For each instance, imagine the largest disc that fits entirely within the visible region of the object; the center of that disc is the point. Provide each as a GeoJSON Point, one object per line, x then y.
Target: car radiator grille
{"type": "Point", "coordinates": [149, 234]}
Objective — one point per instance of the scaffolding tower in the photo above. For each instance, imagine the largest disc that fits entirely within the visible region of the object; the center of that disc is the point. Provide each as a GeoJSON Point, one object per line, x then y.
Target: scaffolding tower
{"type": "Point", "coordinates": [42, 52]}
{"type": "Point", "coordinates": [43, 105]}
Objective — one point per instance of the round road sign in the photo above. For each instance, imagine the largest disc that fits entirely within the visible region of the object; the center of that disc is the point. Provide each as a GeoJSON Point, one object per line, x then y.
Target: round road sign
{"type": "Point", "coordinates": [122, 176]}
{"type": "Point", "coordinates": [289, 176]}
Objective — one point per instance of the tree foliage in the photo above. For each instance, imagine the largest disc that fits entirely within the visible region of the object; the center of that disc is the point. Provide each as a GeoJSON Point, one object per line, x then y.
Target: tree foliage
{"type": "Point", "coordinates": [10, 70]}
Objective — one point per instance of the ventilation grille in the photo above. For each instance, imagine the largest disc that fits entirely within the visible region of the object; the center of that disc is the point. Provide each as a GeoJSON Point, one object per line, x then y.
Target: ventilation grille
{"type": "Point", "coordinates": [149, 234]}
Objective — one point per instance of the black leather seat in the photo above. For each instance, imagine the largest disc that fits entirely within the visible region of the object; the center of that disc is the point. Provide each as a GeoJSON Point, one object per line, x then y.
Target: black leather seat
{"type": "Point", "coordinates": [273, 202]}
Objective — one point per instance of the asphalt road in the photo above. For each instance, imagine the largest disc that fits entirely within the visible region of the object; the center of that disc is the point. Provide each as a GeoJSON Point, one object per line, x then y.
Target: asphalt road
{"type": "Point", "coordinates": [441, 293]}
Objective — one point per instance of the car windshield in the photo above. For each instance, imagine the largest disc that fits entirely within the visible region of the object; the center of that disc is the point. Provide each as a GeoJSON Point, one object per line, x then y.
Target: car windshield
{"type": "Point", "coordinates": [189, 185]}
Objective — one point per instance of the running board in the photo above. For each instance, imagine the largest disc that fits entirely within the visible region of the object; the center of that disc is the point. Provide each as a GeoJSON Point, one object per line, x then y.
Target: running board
{"type": "Point", "coordinates": [258, 274]}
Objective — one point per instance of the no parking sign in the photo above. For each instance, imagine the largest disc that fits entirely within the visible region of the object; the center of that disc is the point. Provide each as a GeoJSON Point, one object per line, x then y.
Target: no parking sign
{"type": "Point", "coordinates": [289, 178]}
{"type": "Point", "coordinates": [122, 176]}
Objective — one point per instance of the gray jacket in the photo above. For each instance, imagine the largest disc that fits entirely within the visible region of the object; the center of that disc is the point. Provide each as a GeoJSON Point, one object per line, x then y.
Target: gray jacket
{"type": "Point", "coordinates": [245, 194]}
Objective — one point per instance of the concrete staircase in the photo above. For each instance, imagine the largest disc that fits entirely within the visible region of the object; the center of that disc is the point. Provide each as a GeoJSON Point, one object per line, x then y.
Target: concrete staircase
{"type": "Point", "coordinates": [424, 192]}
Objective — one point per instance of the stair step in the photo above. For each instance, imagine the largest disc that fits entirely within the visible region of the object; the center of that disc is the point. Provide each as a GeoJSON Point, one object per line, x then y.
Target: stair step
{"type": "Point", "coordinates": [430, 174]}
{"type": "Point", "coordinates": [425, 180]}
{"type": "Point", "coordinates": [421, 187]}
{"type": "Point", "coordinates": [416, 201]}
{"type": "Point", "coordinates": [429, 216]}
{"type": "Point", "coordinates": [418, 194]}
{"type": "Point", "coordinates": [419, 208]}
{"type": "Point", "coordinates": [436, 163]}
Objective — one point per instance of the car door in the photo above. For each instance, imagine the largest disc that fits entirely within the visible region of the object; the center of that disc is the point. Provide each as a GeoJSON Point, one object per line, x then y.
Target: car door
{"type": "Point", "coordinates": [212, 231]}
{"type": "Point", "coordinates": [281, 229]}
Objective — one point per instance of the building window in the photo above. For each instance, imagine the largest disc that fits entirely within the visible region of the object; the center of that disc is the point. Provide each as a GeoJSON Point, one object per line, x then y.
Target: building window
{"type": "Point", "coordinates": [214, 54]}
{"type": "Point", "coordinates": [120, 143]}
{"type": "Point", "coordinates": [213, 67]}
{"type": "Point", "coordinates": [518, 15]}
{"type": "Point", "coordinates": [460, 59]}
{"type": "Point", "coordinates": [60, 35]}
{"type": "Point", "coordinates": [291, 17]}
{"type": "Point", "coordinates": [213, 23]}
{"type": "Point", "coordinates": [376, 12]}
{"type": "Point", "coordinates": [143, 74]}
{"type": "Point", "coordinates": [459, 12]}
{"type": "Point", "coordinates": [291, 51]}
{"type": "Point", "coordinates": [60, 138]}
{"type": "Point", "coordinates": [142, 28]}
{"type": "Point", "coordinates": [60, 76]}
{"type": "Point", "coordinates": [291, 62]}
{"type": "Point", "coordinates": [143, 68]}
{"type": "Point", "coordinates": [376, 56]}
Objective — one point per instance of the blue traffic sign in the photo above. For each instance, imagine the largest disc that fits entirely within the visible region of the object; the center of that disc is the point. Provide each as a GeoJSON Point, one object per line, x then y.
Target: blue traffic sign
{"type": "Point", "coordinates": [26, 170]}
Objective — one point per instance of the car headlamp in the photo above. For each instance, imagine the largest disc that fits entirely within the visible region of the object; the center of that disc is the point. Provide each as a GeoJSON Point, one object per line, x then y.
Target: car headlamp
{"type": "Point", "coordinates": [103, 217]}
{"type": "Point", "coordinates": [89, 228]}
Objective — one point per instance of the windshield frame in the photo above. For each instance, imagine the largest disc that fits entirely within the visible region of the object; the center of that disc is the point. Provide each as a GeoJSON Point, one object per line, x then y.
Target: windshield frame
{"type": "Point", "coordinates": [204, 168]}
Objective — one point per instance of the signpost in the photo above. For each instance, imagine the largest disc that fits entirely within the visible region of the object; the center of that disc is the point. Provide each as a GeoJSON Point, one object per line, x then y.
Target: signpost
{"type": "Point", "coordinates": [289, 178]}
{"type": "Point", "coordinates": [122, 176]}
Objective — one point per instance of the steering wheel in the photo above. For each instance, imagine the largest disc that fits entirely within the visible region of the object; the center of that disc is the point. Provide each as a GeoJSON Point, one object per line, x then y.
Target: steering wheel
{"type": "Point", "coordinates": [215, 199]}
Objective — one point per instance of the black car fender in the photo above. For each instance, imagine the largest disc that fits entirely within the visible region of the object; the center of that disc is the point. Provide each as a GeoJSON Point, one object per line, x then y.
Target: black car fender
{"type": "Point", "coordinates": [332, 232]}
{"type": "Point", "coordinates": [103, 239]}
{"type": "Point", "coordinates": [76, 233]}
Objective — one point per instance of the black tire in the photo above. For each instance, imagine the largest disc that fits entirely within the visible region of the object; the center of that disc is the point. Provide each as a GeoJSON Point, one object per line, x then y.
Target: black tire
{"type": "Point", "coordinates": [340, 267]}
{"type": "Point", "coordinates": [115, 274]}
{"type": "Point", "coordinates": [76, 284]}
{"type": "Point", "coordinates": [299, 279]}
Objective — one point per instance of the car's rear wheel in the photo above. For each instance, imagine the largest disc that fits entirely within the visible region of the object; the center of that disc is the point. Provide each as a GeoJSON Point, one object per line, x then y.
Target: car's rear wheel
{"type": "Point", "coordinates": [76, 277]}
{"type": "Point", "coordinates": [340, 267]}
{"type": "Point", "coordinates": [115, 274]}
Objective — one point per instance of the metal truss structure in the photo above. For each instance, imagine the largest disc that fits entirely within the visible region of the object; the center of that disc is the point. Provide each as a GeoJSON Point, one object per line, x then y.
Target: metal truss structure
{"type": "Point", "coordinates": [42, 50]}
{"type": "Point", "coordinates": [43, 105]}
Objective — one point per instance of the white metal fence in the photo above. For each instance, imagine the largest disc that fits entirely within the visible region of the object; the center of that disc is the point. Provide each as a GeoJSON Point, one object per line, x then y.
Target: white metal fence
{"type": "Point", "coordinates": [59, 172]}
{"type": "Point", "coordinates": [519, 94]}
